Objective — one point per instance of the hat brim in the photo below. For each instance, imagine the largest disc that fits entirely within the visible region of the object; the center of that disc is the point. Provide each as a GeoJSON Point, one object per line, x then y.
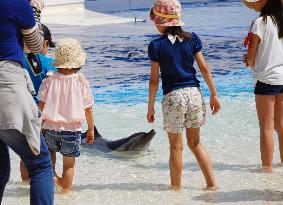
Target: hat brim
{"type": "Point", "coordinates": [77, 63]}
{"type": "Point", "coordinates": [173, 22]}
{"type": "Point", "coordinates": [250, 4]}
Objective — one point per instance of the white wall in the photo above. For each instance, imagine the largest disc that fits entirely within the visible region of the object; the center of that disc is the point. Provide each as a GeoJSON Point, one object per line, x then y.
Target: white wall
{"type": "Point", "coordinates": [61, 2]}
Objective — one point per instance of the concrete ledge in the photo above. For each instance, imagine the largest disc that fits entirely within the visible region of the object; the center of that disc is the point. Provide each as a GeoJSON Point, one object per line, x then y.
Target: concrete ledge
{"type": "Point", "coordinates": [62, 2]}
{"type": "Point", "coordinates": [76, 15]}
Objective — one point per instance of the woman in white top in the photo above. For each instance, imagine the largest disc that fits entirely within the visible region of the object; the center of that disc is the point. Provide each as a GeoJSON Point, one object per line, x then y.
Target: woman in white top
{"type": "Point", "coordinates": [265, 57]}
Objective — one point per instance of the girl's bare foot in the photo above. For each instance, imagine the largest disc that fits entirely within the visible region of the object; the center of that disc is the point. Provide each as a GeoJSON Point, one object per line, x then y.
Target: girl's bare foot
{"type": "Point", "coordinates": [266, 169]}
{"type": "Point", "coordinates": [175, 188]}
{"type": "Point", "coordinates": [210, 188]}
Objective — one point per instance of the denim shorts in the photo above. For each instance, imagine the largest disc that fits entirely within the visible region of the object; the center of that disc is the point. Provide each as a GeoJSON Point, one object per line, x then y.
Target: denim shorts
{"type": "Point", "coordinates": [266, 89]}
{"type": "Point", "coordinates": [65, 142]}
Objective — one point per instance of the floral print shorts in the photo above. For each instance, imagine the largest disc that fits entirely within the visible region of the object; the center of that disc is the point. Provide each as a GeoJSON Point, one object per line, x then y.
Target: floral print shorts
{"type": "Point", "coordinates": [181, 108]}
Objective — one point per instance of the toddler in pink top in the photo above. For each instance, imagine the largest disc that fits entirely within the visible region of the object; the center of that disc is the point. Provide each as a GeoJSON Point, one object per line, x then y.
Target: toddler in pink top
{"type": "Point", "coordinates": [66, 102]}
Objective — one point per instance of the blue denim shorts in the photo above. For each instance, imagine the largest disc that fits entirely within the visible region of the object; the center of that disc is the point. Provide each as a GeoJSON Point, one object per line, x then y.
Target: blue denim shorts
{"type": "Point", "coordinates": [266, 89]}
{"type": "Point", "coordinates": [65, 142]}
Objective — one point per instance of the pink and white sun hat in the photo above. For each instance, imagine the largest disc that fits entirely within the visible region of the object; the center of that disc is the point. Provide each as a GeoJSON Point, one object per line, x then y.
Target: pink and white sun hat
{"type": "Point", "coordinates": [166, 13]}
{"type": "Point", "coordinates": [250, 3]}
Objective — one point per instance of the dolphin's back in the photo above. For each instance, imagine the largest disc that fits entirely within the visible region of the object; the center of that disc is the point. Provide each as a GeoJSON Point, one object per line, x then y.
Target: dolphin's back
{"type": "Point", "coordinates": [136, 142]}
{"type": "Point", "coordinates": [113, 145]}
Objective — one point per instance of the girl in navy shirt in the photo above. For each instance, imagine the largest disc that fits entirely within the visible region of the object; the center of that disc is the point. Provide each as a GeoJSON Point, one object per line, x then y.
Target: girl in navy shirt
{"type": "Point", "coordinates": [182, 105]}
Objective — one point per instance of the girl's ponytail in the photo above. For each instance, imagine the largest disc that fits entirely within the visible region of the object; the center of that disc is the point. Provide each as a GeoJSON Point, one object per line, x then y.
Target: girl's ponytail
{"type": "Point", "coordinates": [177, 30]}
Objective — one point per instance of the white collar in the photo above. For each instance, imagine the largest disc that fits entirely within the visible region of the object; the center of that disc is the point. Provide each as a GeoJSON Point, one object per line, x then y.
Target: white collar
{"type": "Point", "coordinates": [174, 38]}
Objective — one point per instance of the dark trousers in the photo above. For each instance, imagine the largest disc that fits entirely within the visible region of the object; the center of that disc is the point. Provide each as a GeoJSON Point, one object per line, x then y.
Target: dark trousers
{"type": "Point", "coordinates": [39, 167]}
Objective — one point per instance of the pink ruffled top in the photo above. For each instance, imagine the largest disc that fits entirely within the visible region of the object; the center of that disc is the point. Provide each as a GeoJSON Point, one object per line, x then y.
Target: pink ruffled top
{"type": "Point", "coordinates": [66, 97]}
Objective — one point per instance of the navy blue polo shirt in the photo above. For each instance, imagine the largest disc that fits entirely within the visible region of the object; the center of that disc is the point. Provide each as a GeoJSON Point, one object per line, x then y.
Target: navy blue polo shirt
{"type": "Point", "coordinates": [14, 16]}
{"type": "Point", "coordinates": [176, 61]}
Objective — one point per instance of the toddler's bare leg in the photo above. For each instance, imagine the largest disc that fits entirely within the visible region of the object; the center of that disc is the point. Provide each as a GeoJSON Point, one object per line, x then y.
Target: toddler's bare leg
{"type": "Point", "coordinates": [24, 173]}
{"type": "Point", "coordinates": [68, 174]}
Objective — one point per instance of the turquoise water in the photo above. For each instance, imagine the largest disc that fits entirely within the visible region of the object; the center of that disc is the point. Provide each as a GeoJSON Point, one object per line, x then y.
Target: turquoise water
{"type": "Point", "coordinates": [124, 53]}
{"type": "Point", "coordinates": [118, 70]}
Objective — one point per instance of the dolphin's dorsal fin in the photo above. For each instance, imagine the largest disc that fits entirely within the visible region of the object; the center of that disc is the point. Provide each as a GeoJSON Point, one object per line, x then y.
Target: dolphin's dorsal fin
{"type": "Point", "coordinates": [97, 135]}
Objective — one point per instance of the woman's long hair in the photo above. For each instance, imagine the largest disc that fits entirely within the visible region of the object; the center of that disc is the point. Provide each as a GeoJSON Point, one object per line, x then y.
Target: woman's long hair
{"type": "Point", "coordinates": [274, 9]}
{"type": "Point", "coordinates": [177, 30]}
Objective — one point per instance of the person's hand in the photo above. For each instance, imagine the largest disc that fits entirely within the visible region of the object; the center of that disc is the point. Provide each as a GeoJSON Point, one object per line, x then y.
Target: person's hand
{"type": "Point", "coordinates": [150, 115]}
{"type": "Point", "coordinates": [214, 104]}
{"type": "Point", "coordinates": [245, 60]}
{"type": "Point", "coordinates": [90, 136]}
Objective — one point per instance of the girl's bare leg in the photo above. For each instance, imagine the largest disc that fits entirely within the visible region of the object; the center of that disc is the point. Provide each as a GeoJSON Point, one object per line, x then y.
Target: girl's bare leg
{"type": "Point", "coordinates": [278, 120]}
{"type": "Point", "coordinates": [265, 105]}
{"type": "Point", "coordinates": [175, 160]}
{"type": "Point", "coordinates": [193, 140]}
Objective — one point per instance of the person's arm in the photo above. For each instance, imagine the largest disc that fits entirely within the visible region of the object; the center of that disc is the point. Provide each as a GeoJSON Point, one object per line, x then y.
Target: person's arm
{"type": "Point", "coordinates": [28, 27]}
{"type": "Point", "coordinates": [251, 55]}
{"type": "Point", "coordinates": [41, 106]}
{"type": "Point", "coordinates": [33, 39]}
{"type": "Point", "coordinates": [214, 101]}
{"type": "Point", "coordinates": [90, 124]}
{"type": "Point", "coordinates": [153, 87]}
{"type": "Point", "coordinates": [37, 7]}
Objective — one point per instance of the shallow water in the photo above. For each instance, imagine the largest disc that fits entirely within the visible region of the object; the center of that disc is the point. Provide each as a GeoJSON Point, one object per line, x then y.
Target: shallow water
{"type": "Point", "coordinates": [118, 69]}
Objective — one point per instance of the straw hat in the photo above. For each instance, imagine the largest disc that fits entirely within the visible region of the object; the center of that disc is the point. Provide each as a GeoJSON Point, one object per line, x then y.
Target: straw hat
{"type": "Point", "coordinates": [250, 3]}
{"type": "Point", "coordinates": [166, 13]}
{"type": "Point", "coordinates": [69, 54]}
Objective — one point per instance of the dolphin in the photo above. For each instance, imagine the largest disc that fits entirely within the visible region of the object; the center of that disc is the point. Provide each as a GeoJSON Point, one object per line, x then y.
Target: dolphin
{"type": "Point", "coordinates": [136, 143]}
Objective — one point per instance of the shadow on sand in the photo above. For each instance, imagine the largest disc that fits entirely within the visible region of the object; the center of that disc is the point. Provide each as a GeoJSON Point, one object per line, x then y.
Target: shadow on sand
{"type": "Point", "coordinates": [194, 167]}
{"type": "Point", "coordinates": [123, 187]}
{"type": "Point", "coordinates": [244, 195]}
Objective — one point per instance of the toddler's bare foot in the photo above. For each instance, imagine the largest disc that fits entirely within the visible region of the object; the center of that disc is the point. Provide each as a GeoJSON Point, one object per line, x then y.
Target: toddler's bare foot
{"type": "Point", "coordinates": [57, 181]}
{"type": "Point", "coordinates": [66, 191]}
{"type": "Point", "coordinates": [26, 182]}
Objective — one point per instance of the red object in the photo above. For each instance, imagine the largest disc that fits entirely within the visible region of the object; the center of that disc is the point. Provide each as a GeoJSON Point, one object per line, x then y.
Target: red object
{"type": "Point", "coordinates": [249, 40]}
